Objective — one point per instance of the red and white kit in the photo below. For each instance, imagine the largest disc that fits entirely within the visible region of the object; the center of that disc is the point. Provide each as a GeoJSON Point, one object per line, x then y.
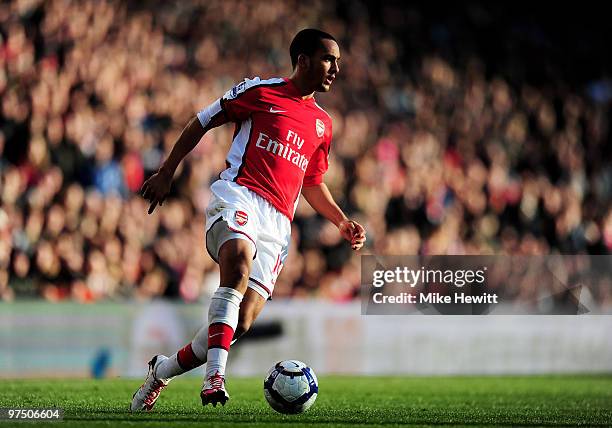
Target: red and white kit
{"type": "Point", "coordinates": [281, 143]}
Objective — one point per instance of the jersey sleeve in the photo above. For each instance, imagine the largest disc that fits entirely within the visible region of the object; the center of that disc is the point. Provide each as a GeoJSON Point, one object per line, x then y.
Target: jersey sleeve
{"type": "Point", "coordinates": [212, 116]}
{"type": "Point", "coordinates": [239, 102]}
{"type": "Point", "coordinates": [319, 162]}
{"type": "Point", "coordinates": [235, 106]}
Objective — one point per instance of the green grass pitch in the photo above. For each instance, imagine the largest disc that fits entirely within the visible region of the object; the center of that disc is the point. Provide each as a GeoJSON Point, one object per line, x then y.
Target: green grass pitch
{"type": "Point", "coordinates": [343, 401]}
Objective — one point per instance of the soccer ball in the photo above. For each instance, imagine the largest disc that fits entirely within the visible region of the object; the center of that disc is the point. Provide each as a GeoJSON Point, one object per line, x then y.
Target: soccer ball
{"type": "Point", "coordinates": [291, 387]}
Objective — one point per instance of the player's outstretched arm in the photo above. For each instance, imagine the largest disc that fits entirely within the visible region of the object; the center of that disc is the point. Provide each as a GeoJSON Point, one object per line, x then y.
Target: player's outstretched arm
{"type": "Point", "coordinates": [157, 187]}
{"type": "Point", "coordinates": [319, 198]}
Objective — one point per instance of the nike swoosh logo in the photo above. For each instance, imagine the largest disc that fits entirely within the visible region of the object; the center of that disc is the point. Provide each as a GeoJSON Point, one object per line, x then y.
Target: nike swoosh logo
{"type": "Point", "coordinates": [272, 110]}
{"type": "Point", "coordinates": [213, 335]}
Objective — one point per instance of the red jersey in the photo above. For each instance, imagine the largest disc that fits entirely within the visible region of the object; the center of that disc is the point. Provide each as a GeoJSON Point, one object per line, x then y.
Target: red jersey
{"type": "Point", "coordinates": [281, 141]}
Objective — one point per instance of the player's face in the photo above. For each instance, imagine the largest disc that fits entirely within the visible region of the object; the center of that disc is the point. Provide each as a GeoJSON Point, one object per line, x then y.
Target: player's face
{"type": "Point", "coordinates": [324, 65]}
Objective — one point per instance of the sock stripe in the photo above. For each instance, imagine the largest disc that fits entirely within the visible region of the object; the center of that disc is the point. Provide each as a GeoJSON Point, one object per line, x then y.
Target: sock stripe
{"type": "Point", "coordinates": [218, 347]}
{"type": "Point", "coordinates": [215, 324]}
{"type": "Point", "coordinates": [220, 335]}
{"type": "Point", "coordinates": [187, 359]}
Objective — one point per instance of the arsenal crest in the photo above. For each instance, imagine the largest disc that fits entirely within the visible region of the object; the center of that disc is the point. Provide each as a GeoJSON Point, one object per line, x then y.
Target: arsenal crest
{"type": "Point", "coordinates": [320, 128]}
{"type": "Point", "coordinates": [241, 218]}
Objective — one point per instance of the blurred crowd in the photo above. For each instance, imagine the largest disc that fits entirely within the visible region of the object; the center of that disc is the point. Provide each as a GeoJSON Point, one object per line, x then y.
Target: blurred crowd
{"type": "Point", "coordinates": [436, 149]}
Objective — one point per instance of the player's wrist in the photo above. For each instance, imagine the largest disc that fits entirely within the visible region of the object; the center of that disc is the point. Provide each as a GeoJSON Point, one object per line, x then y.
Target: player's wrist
{"type": "Point", "coordinates": [166, 170]}
{"type": "Point", "coordinates": [343, 222]}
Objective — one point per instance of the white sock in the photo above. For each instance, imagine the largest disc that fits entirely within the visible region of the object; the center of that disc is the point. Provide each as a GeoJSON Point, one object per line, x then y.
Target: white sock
{"type": "Point", "coordinates": [222, 320]}
{"type": "Point", "coordinates": [191, 356]}
{"type": "Point", "coordinates": [199, 344]}
{"type": "Point", "coordinates": [169, 368]}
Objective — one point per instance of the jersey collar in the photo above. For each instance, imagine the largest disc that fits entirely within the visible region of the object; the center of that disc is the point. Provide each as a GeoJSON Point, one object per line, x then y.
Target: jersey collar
{"type": "Point", "coordinates": [295, 92]}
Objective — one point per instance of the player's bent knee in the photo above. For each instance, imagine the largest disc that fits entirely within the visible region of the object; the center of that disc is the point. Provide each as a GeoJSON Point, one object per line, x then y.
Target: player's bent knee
{"type": "Point", "coordinates": [240, 271]}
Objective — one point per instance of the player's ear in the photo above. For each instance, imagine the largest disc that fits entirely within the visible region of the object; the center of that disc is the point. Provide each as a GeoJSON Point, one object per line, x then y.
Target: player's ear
{"type": "Point", "coordinates": [303, 61]}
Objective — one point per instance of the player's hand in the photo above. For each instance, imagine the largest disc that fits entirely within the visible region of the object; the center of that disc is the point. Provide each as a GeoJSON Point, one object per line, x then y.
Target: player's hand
{"type": "Point", "coordinates": [353, 232]}
{"type": "Point", "coordinates": [156, 188]}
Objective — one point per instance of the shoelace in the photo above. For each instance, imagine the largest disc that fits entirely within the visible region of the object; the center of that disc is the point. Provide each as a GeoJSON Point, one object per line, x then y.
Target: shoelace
{"type": "Point", "coordinates": [216, 381]}
{"type": "Point", "coordinates": [154, 392]}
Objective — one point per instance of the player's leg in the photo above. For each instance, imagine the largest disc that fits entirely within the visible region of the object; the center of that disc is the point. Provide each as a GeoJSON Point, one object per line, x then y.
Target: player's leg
{"type": "Point", "coordinates": [187, 358]}
{"type": "Point", "coordinates": [162, 369]}
{"type": "Point", "coordinates": [250, 308]}
{"type": "Point", "coordinates": [233, 279]}
{"type": "Point", "coordinates": [235, 258]}
{"type": "Point", "coordinates": [193, 354]}
{"type": "Point", "coordinates": [213, 390]}
{"type": "Point", "coordinates": [225, 222]}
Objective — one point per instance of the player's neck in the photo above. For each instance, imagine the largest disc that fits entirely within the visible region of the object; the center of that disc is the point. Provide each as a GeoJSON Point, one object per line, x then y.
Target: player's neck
{"type": "Point", "coordinates": [303, 87]}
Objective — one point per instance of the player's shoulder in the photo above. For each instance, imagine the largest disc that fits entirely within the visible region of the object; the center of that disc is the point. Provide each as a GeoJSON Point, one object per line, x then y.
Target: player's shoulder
{"type": "Point", "coordinates": [326, 115]}
{"type": "Point", "coordinates": [255, 83]}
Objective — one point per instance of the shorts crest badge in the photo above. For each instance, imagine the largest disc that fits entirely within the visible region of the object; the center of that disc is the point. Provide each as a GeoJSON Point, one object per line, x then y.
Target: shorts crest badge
{"type": "Point", "coordinates": [241, 218]}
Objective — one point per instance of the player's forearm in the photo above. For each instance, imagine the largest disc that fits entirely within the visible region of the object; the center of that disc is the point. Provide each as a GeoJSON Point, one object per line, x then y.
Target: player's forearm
{"type": "Point", "coordinates": [188, 139]}
{"type": "Point", "coordinates": [323, 202]}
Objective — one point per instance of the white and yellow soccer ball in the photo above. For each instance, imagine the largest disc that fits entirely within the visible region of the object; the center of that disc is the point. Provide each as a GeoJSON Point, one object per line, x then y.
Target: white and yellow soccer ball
{"type": "Point", "coordinates": [291, 387]}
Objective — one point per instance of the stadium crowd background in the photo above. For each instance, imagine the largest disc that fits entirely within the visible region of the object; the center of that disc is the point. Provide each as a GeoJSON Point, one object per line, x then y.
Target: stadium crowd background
{"type": "Point", "coordinates": [470, 130]}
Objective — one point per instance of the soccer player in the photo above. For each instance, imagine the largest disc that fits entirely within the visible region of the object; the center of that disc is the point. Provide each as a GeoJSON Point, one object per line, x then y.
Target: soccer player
{"type": "Point", "coordinates": [280, 148]}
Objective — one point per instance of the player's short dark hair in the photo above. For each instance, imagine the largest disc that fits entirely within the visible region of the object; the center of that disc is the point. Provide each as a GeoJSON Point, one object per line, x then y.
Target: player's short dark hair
{"type": "Point", "coordinates": [307, 42]}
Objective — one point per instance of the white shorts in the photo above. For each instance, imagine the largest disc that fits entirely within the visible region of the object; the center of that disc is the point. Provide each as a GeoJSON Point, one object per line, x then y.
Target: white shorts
{"type": "Point", "coordinates": [235, 212]}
